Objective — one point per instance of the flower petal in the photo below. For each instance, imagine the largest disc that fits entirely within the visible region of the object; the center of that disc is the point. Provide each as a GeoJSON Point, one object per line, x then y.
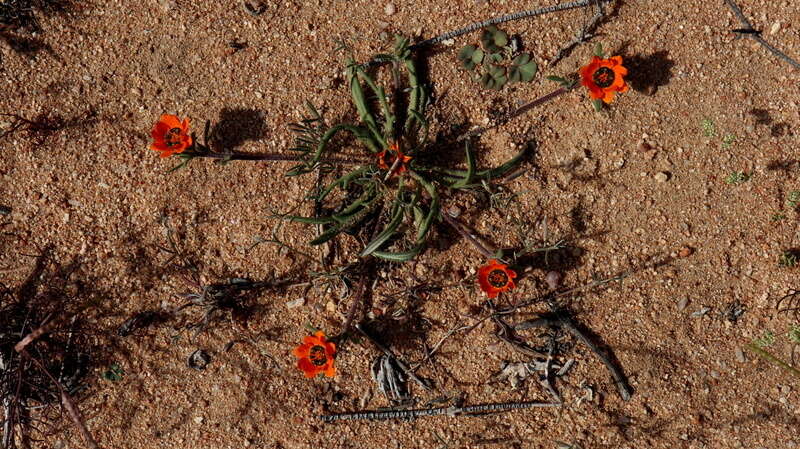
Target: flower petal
{"type": "Point", "coordinates": [307, 367]}
{"type": "Point", "coordinates": [160, 129]}
{"type": "Point", "coordinates": [301, 351]}
{"type": "Point", "coordinates": [172, 121]}
{"type": "Point", "coordinates": [185, 125]}
{"type": "Point", "coordinates": [330, 371]}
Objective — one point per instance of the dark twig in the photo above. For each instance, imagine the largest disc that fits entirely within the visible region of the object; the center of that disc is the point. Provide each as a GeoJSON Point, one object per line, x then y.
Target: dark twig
{"type": "Point", "coordinates": [461, 228]}
{"type": "Point", "coordinates": [516, 113]}
{"type": "Point", "coordinates": [502, 19]}
{"type": "Point", "coordinates": [565, 322]}
{"type": "Point", "coordinates": [400, 363]}
{"type": "Point", "coordinates": [586, 32]}
{"type": "Point", "coordinates": [751, 33]}
{"type": "Point", "coordinates": [449, 411]}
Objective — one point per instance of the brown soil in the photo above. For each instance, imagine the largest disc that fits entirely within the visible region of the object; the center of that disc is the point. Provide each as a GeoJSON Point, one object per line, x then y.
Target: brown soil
{"type": "Point", "coordinates": [93, 191]}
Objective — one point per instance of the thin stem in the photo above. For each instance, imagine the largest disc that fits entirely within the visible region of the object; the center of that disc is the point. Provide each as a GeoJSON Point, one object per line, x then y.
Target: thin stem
{"type": "Point", "coordinates": [517, 112]}
{"type": "Point", "coordinates": [458, 226]}
{"type": "Point", "coordinates": [771, 358]}
{"type": "Point", "coordinates": [756, 36]}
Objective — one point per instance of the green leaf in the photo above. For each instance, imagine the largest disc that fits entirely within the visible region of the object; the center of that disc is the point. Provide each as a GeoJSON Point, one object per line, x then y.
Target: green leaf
{"type": "Point", "coordinates": [325, 236]}
{"type": "Point", "coordinates": [387, 233]}
{"type": "Point", "coordinates": [522, 59]}
{"type": "Point", "coordinates": [477, 56]}
{"type": "Point", "coordinates": [466, 52]}
{"type": "Point", "coordinates": [398, 256]}
{"type": "Point", "coordinates": [557, 79]}
{"type": "Point", "coordinates": [598, 105]}
{"type": "Point", "coordinates": [310, 220]}
{"type": "Point", "coordinates": [528, 71]}
{"type": "Point", "coordinates": [598, 51]}
{"type": "Point", "coordinates": [470, 168]}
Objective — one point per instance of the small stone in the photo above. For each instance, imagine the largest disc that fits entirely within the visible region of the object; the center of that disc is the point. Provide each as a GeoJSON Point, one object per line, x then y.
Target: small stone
{"type": "Point", "coordinates": [662, 176]}
{"type": "Point", "coordinates": [685, 252]}
{"type": "Point", "coordinates": [449, 42]}
{"type": "Point", "coordinates": [740, 355]}
{"type": "Point", "coordinates": [295, 303]}
{"type": "Point", "coordinates": [199, 360]}
{"type": "Point", "coordinates": [198, 419]}
{"type": "Point", "coordinates": [330, 306]}
{"type": "Point", "coordinates": [454, 211]}
{"type": "Point", "coordinates": [775, 28]}
{"type": "Point", "coordinates": [553, 279]}
{"type": "Point", "coordinates": [389, 9]}
{"type": "Point", "coordinates": [644, 146]}
{"type": "Point", "coordinates": [683, 303]}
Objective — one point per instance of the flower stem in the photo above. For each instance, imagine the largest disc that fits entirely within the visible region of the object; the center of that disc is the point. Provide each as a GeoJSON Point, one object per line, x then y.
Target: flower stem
{"type": "Point", "coordinates": [458, 226]}
{"type": "Point", "coordinates": [517, 112]}
{"type": "Point", "coordinates": [771, 358]}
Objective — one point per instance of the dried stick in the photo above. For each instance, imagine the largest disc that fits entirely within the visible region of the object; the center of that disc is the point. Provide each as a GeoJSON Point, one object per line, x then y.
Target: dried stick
{"type": "Point", "coordinates": [458, 226]}
{"type": "Point", "coordinates": [516, 113]}
{"type": "Point", "coordinates": [756, 36]}
{"type": "Point", "coordinates": [449, 411]}
{"type": "Point", "coordinates": [400, 363]}
{"type": "Point", "coordinates": [502, 19]}
{"type": "Point", "coordinates": [567, 323]}
{"type": "Point", "coordinates": [583, 35]}
{"type": "Point", "coordinates": [66, 402]}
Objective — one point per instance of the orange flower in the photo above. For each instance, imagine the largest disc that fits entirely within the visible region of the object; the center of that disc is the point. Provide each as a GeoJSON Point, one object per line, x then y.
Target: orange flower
{"type": "Point", "coordinates": [603, 77]}
{"type": "Point", "coordinates": [316, 355]}
{"type": "Point", "coordinates": [495, 278]}
{"type": "Point", "coordinates": [387, 158]}
{"type": "Point", "coordinates": [170, 135]}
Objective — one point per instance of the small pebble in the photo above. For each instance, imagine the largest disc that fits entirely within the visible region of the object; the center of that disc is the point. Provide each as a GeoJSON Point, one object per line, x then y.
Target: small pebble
{"type": "Point", "coordinates": [683, 303]}
{"type": "Point", "coordinates": [662, 176]}
{"type": "Point", "coordinates": [389, 9]}
{"type": "Point", "coordinates": [198, 420]}
{"type": "Point", "coordinates": [701, 312]}
{"type": "Point", "coordinates": [740, 355]}
{"type": "Point", "coordinates": [554, 279]}
{"type": "Point", "coordinates": [775, 28]}
{"type": "Point", "coordinates": [685, 252]}
{"type": "Point", "coordinates": [454, 211]}
{"type": "Point", "coordinates": [644, 146]}
{"type": "Point", "coordinates": [198, 360]}
{"type": "Point", "coordinates": [295, 303]}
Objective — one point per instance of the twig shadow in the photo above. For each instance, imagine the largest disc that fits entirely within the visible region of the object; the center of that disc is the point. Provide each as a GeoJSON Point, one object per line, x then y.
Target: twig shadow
{"type": "Point", "coordinates": [763, 117]}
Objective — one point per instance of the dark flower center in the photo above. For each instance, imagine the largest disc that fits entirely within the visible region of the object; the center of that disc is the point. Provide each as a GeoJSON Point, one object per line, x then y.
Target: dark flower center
{"type": "Point", "coordinates": [173, 137]}
{"type": "Point", "coordinates": [317, 356]}
{"type": "Point", "coordinates": [498, 278]}
{"type": "Point", "coordinates": [603, 77]}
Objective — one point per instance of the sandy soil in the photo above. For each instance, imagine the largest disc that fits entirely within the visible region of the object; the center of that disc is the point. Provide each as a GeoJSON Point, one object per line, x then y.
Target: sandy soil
{"type": "Point", "coordinates": [93, 192]}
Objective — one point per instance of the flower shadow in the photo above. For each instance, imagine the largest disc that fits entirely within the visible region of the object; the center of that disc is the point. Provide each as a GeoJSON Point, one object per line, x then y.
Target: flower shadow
{"type": "Point", "coordinates": [763, 117]}
{"type": "Point", "coordinates": [235, 127]}
{"type": "Point", "coordinates": [647, 73]}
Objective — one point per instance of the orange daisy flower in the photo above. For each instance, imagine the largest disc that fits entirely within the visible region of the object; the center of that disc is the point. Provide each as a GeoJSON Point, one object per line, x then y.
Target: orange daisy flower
{"type": "Point", "coordinates": [387, 158]}
{"type": "Point", "coordinates": [316, 355]}
{"type": "Point", "coordinates": [170, 135]}
{"type": "Point", "coordinates": [496, 277]}
{"type": "Point", "coordinates": [604, 77]}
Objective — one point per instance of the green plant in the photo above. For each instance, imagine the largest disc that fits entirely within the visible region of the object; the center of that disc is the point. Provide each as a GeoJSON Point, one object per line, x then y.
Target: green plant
{"type": "Point", "coordinates": [114, 373]}
{"type": "Point", "coordinates": [494, 61]}
{"type": "Point", "coordinates": [793, 200]}
{"type": "Point", "coordinates": [709, 130]}
{"type": "Point", "coordinates": [738, 177]}
{"type": "Point", "coordinates": [788, 259]}
{"type": "Point", "coordinates": [778, 217]}
{"type": "Point", "coordinates": [397, 185]}
{"type": "Point", "coordinates": [728, 140]}
{"type": "Point", "coordinates": [759, 347]}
